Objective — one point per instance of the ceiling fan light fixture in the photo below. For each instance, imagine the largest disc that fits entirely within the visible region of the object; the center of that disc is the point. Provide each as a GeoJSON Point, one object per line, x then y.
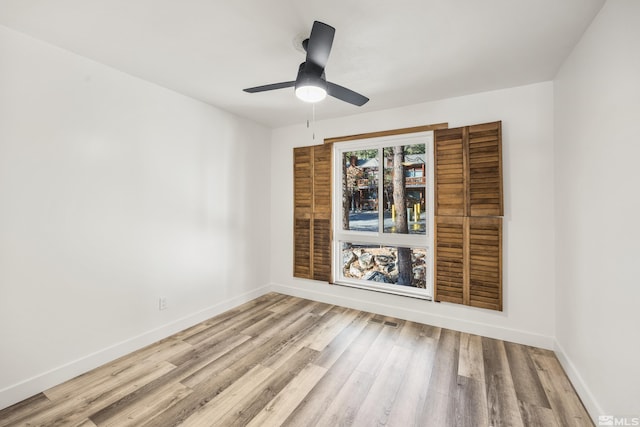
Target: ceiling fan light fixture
{"type": "Point", "coordinates": [311, 93]}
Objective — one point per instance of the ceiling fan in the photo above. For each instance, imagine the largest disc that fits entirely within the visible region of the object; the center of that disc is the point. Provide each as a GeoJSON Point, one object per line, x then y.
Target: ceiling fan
{"type": "Point", "coordinates": [311, 84]}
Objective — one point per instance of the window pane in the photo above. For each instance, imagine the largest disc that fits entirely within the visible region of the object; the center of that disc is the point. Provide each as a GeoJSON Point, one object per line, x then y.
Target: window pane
{"type": "Point", "coordinates": [360, 190]}
{"type": "Point", "coordinates": [385, 264]}
{"type": "Point", "coordinates": [405, 189]}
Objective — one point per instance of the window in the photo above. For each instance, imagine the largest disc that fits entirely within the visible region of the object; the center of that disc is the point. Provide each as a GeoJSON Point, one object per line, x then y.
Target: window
{"type": "Point", "coordinates": [383, 214]}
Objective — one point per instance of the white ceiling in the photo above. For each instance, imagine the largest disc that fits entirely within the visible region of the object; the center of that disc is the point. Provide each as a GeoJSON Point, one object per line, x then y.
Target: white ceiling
{"type": "Point", "coordinates": [395, 52]}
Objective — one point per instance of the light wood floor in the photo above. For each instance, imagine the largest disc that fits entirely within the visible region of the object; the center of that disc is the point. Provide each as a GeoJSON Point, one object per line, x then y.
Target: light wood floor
{"type": "Point", "coordinates": [280, 360]}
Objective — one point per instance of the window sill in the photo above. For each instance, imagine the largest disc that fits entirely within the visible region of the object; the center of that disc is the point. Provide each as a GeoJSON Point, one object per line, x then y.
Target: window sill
{"type": "Point", "coordinates": [404, 291]}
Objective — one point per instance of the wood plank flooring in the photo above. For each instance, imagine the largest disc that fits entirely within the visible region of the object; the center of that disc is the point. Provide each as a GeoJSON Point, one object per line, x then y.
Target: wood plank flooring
{"type": "Point", "coordinates": [286, 361]}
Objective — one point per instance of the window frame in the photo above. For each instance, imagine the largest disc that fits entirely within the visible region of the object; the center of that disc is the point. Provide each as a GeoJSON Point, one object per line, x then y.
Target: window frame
{"type": "Point", "coordinates": [423, 241]}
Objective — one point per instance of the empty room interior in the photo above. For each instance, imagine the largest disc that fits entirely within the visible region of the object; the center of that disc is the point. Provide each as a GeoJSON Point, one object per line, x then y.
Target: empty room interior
{"type": "Point", "coordinates": [413, 213]}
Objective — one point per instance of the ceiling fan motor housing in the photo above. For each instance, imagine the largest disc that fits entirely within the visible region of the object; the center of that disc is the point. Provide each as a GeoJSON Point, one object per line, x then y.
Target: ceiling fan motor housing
{"type": "Point", "coordinates": [310, 74]}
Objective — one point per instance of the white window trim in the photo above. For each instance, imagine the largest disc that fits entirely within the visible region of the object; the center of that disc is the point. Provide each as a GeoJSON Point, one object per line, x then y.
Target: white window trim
{"type": "Point", "coordinates": [376, 238]}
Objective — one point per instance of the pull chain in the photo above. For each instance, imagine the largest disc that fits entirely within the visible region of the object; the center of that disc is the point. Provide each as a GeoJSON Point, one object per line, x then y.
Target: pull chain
{"type": "Point", "coordinates": [312, 125]}
{"type": "Point", "coordinates": [313, 116]}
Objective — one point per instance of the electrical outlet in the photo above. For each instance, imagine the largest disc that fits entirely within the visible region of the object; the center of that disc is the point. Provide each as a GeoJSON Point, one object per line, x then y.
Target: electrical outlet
{"type": "Point", "coordinates": [162, 303]}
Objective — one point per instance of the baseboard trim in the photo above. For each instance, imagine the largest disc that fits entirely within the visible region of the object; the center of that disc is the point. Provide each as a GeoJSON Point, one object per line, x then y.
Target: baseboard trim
{"type": "Point", "coordinates": [588, 399]}
{"type": "Point", "coordinates": [491, 331]}
{"type": "Point", "coordinates": [39, 383]}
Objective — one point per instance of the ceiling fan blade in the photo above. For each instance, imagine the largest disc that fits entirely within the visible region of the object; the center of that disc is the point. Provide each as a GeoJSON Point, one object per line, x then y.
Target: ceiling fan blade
{"type": "Point", "coordinates": [346, 95]}
{"type": "Point", "coordinates": [273, 86]}
{"type": "Point", "coordinates": [319, 45]}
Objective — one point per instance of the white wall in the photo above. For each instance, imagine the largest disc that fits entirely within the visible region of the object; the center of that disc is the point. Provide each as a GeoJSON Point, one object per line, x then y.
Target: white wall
{"type": "Point", "coordinates": [529, 285]}
{"type": "Point", "coordinates": [597, 104]}
{"type": "Point", "coordinates": [114, 192]}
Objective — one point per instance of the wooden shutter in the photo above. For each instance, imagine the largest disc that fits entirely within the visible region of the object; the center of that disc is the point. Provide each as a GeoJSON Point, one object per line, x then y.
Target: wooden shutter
{"type": "Point", "coordinates": [484, 242]}
{"type": "Point", "coordinates": [484, 183]}
{"type": "Point", "coordinates": [468, 261]}
{"type": "Point", "coordinates": [468, 207]}
{"type": "Point", "coordinates": [450, 171]}
{"type": "Point", "coordinates": [303, 197]}
{"type": "Point", "coordinates": [468, 170]}
{"type": "Point", "coordinates": [312, 212]}
{"type": "Point", "coordinates": [450, 259]}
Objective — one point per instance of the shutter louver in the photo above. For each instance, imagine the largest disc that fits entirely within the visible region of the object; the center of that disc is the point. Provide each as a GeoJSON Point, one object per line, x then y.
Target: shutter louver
{"type": "Point", "coordinates": [449, 265]}
{"type": "Point", "coordinates": [485, 262]}
{"type": "Point", "coordinates": [322, 179]}
{"type": "Point", "coordinates": [449, 166]}
{"type": "Point", "coordinates": [485, 170]}
{"type": "Point", "coordinates": [302, 179]}
{"type": "Point", "coordinates": [468, 206]}
{"type": "Point", "coordinates": [312, 212]}
{"type": "Point", "coordinates": [322, 249]}
{"type": "Point", "coordinates": [302, 248]}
